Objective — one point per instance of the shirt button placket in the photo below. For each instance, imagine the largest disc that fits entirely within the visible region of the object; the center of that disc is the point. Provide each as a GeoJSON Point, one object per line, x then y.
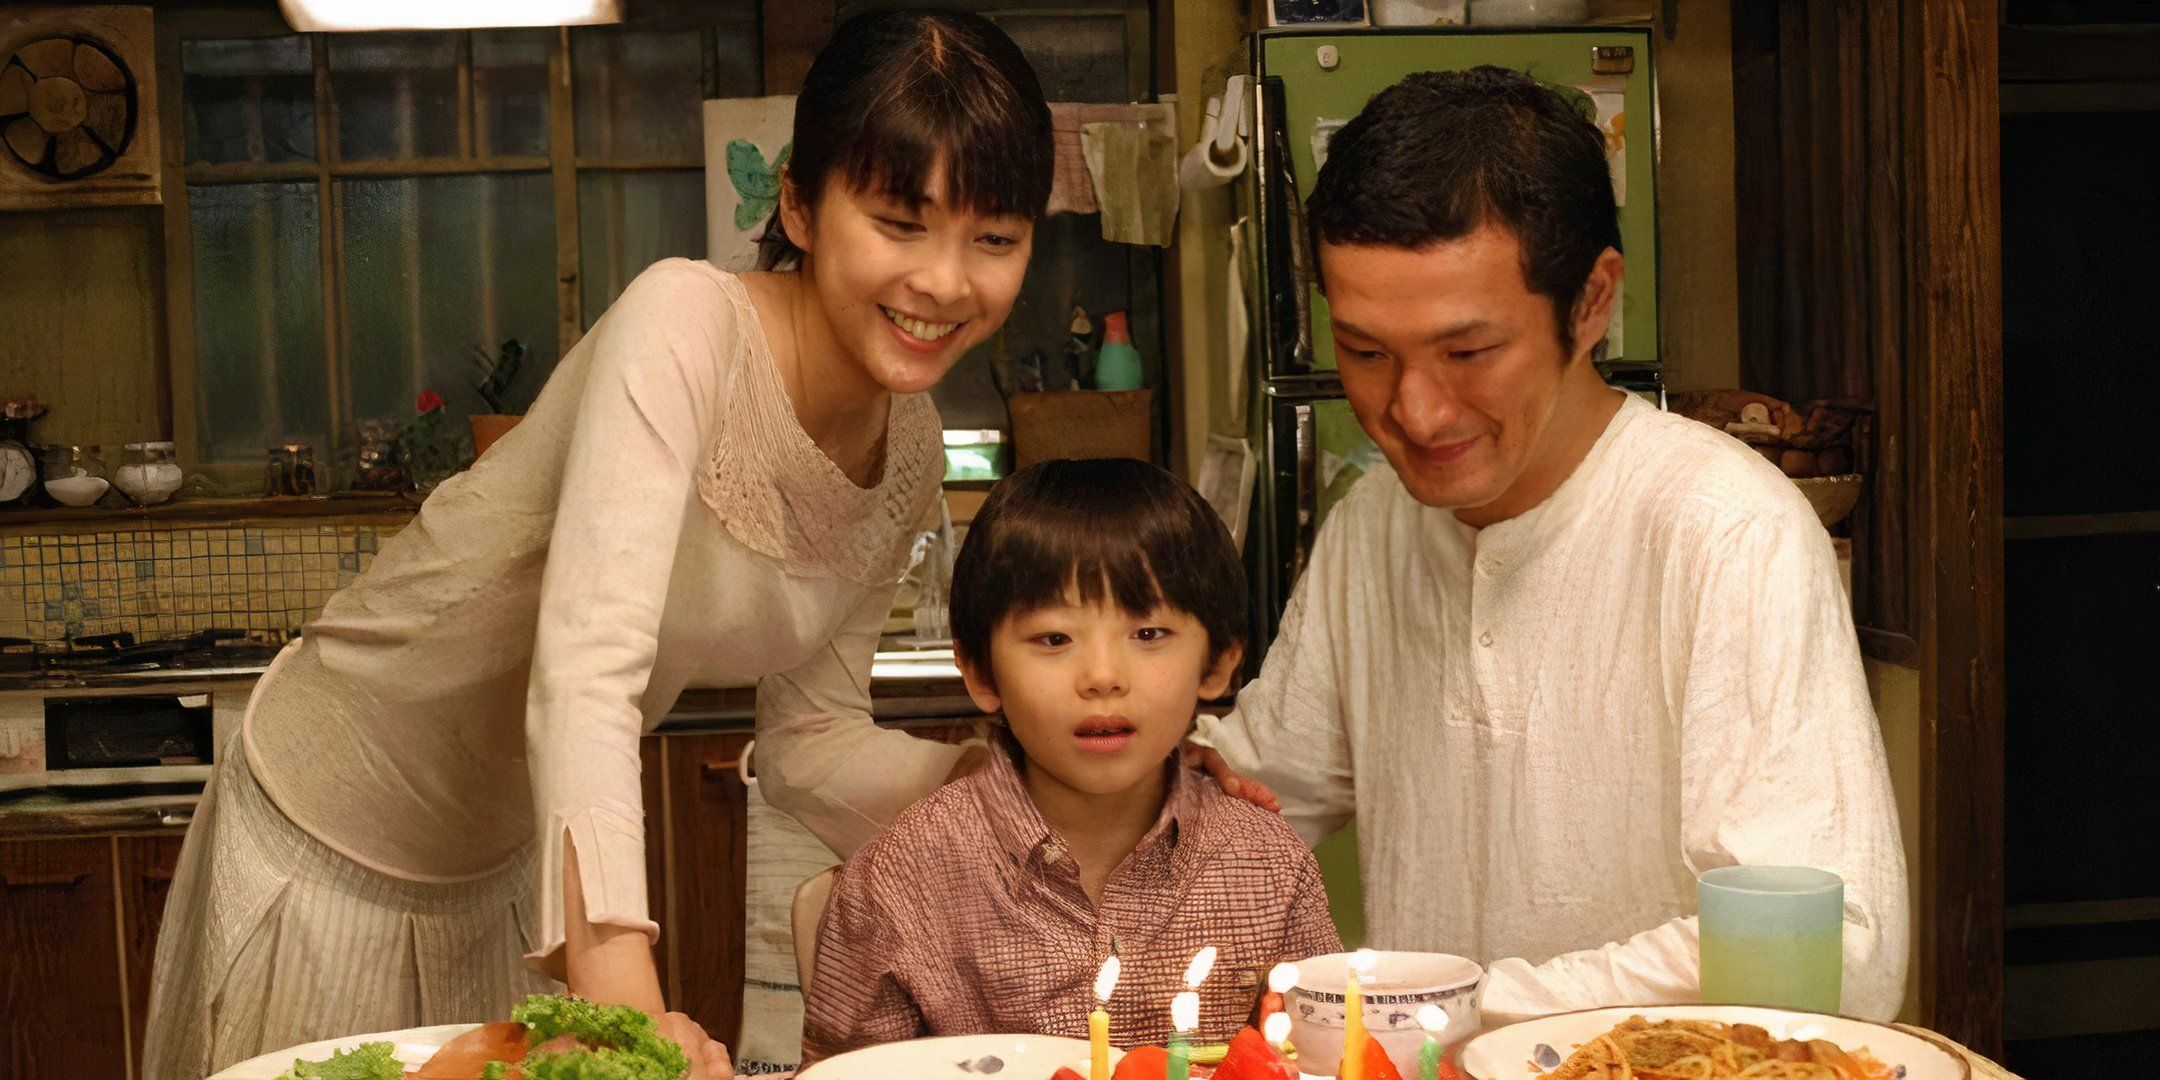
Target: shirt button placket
{"type": "Point", "coordinates": [1483, 566]}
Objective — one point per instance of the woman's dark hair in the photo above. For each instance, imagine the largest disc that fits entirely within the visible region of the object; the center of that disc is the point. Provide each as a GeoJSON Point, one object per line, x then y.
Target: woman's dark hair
{"type": "Point", "coordinates": [894, 94]}
{"type": "Point", "coordinates": [1110, 528]}
{"type": "Point", "coordinates": [1438, 154]}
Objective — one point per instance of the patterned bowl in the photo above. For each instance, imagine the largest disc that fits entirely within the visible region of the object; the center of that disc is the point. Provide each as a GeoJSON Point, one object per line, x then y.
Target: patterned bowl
{"type": "Point", "coordinates": [1399, 984]}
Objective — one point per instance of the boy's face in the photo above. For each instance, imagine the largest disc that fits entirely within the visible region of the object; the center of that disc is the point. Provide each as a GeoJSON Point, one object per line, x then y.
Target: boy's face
{"type": "Point", "coordinates": [1098, 696]}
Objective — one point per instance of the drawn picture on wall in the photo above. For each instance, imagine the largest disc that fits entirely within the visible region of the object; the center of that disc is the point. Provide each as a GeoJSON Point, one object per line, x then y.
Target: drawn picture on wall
{"type": "Point", "coordinates": [746, 144]}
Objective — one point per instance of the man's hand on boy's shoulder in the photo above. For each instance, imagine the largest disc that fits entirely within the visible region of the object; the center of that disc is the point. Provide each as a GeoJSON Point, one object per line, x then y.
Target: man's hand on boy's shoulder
{"type": "Point", "coordinates": [1206, 759]}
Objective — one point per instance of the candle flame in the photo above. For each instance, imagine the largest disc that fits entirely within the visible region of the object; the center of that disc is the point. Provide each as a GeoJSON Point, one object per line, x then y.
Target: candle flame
{"type": "Point", "coordinates": [1202, 963]}
{"type": "Point", "coordinates": [1432, 1019]}
{"type": "Point", "coordinates": [1282, 977]}
{"type": "Point", "coordinates": [1362, 961]}
{"type": "Point", "coordinates": [1185, 1011]}
{"type": "Point", "coordinates": [1106, 980]}
{"type": "Point", "coordinates": [1276, 1028]}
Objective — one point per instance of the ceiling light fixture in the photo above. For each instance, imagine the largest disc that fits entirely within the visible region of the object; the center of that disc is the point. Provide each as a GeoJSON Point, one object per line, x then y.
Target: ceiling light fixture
{"type": "Point", "coordinates": [334, 15]}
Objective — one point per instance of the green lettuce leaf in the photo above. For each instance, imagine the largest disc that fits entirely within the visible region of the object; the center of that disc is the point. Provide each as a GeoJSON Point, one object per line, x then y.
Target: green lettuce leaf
{"type": "Point", "coordinates": [367, 1061]}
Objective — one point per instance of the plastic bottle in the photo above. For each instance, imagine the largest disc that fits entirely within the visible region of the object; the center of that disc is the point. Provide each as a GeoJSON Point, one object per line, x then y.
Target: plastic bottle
{"type": "Point", "coordinates": [1117, 364]}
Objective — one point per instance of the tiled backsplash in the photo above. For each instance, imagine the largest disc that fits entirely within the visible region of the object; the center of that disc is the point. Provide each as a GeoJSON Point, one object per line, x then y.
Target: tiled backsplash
{"type": "Point", "coordinates": [162, 582]}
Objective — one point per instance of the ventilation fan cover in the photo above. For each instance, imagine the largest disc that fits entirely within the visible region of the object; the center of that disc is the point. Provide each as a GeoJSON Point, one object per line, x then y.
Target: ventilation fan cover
{"type": "Point", "coordinates": [78, 115]}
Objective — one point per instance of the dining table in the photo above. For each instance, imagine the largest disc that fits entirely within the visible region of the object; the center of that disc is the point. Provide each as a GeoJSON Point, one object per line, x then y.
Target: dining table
{"type": "Point", "coordinates": [413, 1045]}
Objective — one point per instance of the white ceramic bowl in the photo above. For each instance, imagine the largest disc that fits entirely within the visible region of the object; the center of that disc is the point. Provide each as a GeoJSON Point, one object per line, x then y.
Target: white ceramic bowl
{"type": "Point", "coordinates": [77, 490]}
{"type": "Point", "coordinates": [1399, 984]}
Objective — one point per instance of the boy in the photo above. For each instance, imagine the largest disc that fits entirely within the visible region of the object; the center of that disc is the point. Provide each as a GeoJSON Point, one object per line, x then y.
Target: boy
{"type": "Point", "coordinates": [1094, 603]}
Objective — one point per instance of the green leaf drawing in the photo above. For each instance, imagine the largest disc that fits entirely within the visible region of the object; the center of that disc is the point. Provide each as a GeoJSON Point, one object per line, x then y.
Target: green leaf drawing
{"type": "Point", "coordinates": [756, 183]}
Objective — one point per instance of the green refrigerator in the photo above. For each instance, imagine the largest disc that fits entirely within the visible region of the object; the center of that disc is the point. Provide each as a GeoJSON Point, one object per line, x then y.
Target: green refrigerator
{"type": "Point", "coordinates": [1310, 447]}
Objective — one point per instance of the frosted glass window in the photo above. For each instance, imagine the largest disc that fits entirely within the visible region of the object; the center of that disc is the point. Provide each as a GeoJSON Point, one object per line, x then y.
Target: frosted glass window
{"type": "Point", "coordinates": [629, 220]}
{"type": "Point", "coordinates": [1075, 57]}
{"type": "Point", "coordinates": [510, 93]}
{"type": "Point", "coordinates": [638, 94]}
{"type": "Point", "coordinates": [396, 94]}
{"type": "Point", "coordinates": [258, 317]}
{"type": "Point", "coordinates": [249, 99]}
{"type": "Point", "coordinates": [435, 267]}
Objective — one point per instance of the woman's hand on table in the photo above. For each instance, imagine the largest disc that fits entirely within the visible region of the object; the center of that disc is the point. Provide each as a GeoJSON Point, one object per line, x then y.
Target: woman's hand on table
{"type": "Point", "coordinates": [1204, 758]}
{"type": "Point", "coordinates": [708, 1059]}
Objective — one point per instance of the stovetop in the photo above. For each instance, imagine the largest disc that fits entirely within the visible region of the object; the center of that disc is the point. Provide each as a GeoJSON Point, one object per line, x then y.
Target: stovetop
{"type": "Point", "coordinates": [121, 656]}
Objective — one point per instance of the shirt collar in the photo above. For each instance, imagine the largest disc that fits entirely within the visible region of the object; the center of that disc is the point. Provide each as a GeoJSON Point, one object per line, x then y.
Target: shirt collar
{"type": "Point", "coordinates": [1023, 835]}
{"type": "Point", "coordinates": [1523, 535]}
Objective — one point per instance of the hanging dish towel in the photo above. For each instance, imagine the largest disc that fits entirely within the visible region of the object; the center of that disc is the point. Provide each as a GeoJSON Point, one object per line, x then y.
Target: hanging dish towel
{"type": "Point", "coordinates": [1133, 163]}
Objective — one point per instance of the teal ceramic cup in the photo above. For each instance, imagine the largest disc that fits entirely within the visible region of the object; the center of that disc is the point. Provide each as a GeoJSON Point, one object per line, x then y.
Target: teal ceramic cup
{"type": "Point", "coordinates": [1772, 936]}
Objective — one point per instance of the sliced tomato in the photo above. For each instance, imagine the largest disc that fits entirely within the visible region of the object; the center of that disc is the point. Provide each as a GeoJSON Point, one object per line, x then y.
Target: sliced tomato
{"type": "Point", "coordinates": [462, 1058]}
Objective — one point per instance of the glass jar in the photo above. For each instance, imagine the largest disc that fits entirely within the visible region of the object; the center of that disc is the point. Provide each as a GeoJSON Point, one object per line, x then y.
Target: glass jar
{"type": "Point", "coordinates": [75, 475]}
{"type": "Point", "coordinates": [290, 470]}
{"type": "Point", "coordinates": [148, 474]}
{"type": "Point", "coordinates": [375, 462]}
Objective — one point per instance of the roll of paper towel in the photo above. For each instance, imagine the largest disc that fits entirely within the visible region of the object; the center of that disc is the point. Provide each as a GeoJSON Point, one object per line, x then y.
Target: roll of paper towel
{"type": "Point", "coordinates": [1205, 166]}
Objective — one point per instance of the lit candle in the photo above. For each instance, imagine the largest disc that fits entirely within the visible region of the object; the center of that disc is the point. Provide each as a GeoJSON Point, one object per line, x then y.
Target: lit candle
{"type": "Point", "coordinates": [1185, 1014]}
{"type": "Point", "coordinates": [1099, 1021]}
{"type": "Point", "coordinates": [1184, 1017]}
{"type": "Point", "coordinates": [1276, 1030]}
{"type": "Point", "coordinates": [1434, 1021]}
{"type": "Point", "coordinates": [1353, 1047]}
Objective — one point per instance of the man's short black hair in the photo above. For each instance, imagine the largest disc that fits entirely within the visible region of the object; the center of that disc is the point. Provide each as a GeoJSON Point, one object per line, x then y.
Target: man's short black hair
{"type": "Point", "coordinates": [1440, 153]}
{"type": "Point", "coordinates": [1113, 529]}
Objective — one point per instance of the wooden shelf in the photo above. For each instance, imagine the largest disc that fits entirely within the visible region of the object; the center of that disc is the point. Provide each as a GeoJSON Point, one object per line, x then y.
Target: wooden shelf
{"type": "Point", "coordinates": [383, 509]}
{"type": "Point", "coordinates": [2068, 525]}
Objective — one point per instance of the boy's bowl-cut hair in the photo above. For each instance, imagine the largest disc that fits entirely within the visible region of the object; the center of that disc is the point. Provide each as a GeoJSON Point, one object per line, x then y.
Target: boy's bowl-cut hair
{"type": "Point", "coordinates": [1110, 528]}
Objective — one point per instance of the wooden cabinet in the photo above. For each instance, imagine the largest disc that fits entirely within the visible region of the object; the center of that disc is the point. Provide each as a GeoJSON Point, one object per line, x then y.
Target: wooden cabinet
{"type": "Point", "coordinates": [63, 1007]}
{"type": "Point", "coordinates": [704, 831]}
{"type": "Point", "coordinates": [144, 870]}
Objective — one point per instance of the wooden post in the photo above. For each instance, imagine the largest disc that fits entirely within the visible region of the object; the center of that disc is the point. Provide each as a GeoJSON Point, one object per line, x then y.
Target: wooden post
{"type": "Point", "coordinates": [562, 156]}
{"type": "Point", "coordinates": [1954, 147]}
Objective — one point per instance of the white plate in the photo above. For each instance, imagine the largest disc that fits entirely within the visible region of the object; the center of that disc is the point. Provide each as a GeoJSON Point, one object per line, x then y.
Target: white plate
{"type": "Point", "coordinates": [960, 1057]}
{"type": "Point", "coordinates": [413, 1046]}
{"type": "Point", "coordinates": [1507, 1053]}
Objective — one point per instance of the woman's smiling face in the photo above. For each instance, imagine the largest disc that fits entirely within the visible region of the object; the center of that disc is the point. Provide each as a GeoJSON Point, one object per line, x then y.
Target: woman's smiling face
{"type": "Point", "coordinates": [909, 285]}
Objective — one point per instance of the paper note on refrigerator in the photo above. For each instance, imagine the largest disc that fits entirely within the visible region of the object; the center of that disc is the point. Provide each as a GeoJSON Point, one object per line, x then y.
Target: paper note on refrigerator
{"type": "Point", "coordinates": [1609, 96]}
{"type": "Point", "coordinates": [1323, 131]}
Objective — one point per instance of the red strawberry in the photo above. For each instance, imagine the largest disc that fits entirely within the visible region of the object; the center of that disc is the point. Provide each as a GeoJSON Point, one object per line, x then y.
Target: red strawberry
{"type": "Point", "coordinates": [1251, 1058]}
{"type": "Point", "coordinates": [1143, 1063]}
{"type": "Point", "coordinates": [1066, 1074]}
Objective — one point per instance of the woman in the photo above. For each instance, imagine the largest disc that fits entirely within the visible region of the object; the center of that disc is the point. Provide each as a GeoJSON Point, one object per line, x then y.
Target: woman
{"type": "Point", "coordinates": [441, 778]}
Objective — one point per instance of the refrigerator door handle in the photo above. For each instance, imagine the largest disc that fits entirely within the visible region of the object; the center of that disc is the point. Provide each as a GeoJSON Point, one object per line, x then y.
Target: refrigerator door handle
{"type": "Point", "coordinates": [1288, 263]}
{"type": "Point", "coordinates": [1308, 485]}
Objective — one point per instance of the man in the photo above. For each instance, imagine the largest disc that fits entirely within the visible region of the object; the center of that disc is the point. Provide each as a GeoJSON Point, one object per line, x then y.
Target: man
{"type": "Point", "coordinates": [1570, 650]}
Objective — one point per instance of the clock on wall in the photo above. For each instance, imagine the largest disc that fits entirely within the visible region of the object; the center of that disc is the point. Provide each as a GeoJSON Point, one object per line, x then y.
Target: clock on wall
{"type": "Point", "coordinates": [78, 110]}
{"type": "Point", "coordinates": [18, 461]}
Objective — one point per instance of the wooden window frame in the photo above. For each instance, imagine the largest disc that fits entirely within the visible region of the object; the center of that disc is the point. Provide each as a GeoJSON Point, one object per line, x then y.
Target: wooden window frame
{"type": "Point", "coordinates": [562, 162]}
